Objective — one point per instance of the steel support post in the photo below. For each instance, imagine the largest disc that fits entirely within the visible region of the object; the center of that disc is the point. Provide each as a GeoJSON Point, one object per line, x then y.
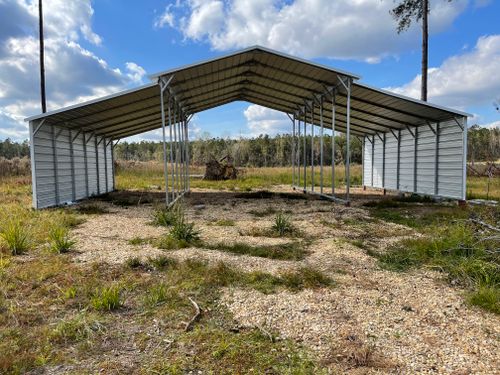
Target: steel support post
{"type": "Point", "coordinates": [170, 102]}
{"type": "Point", "coordinates": [113, 162]}
{"type": "Point", "coordinates": [104, 144]}
{"type": "Point", "coordinates": [348, 141]}
{"type": "Point", "coordinates": [54, 159]}
{"type": "Point", "coordinates": [298, 149]}
{"type": "Point", "coordinates": [333, 143]}
{"type": "Point", "coordinates": [464, 159]}
{"type": "Point", "coordinates": [188, 156]}
{"type": "Point", "coordinates": [85, 162]}
{"type": "Point", "coordinates": [293, 150]}
{"type": "Point", "coordinates": [180, 151]}
{"type": "Point", "coordinates": [176, 180]}
{"type": "Point", "coordinates": [33, 165]}
{"type": "Point", "coordinates": [373, 157]}
{"type": "Point", "coordinates": [165, 168]}
{"type": "Point", "coordinates": [398, 168]}
{"type": "Point", "coordinates": [415, 155]}
{"type": "Point", "coordinates": [383, 161]}
{"type": "Point", "coordinates": [312, 146]}
{"type": "Point", "coordinates": [305, 149]}
{"type": "Point", "coordinates": [72, 158]}
{"type": "Point", "coordinates": [321, 145]}
{"type": "Point", "coordinates": [363, 162]}
{"type": "Point", "coordinates": [96, 145]}
{"type": "Point", "coordinates": [436, 161]}
{"type": "Point", "coordinates": [177, 153]}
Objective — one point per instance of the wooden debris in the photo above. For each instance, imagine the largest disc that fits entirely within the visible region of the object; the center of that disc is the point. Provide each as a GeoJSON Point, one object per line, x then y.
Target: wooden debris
{"type": "Point", "coordinates": [196, 316]}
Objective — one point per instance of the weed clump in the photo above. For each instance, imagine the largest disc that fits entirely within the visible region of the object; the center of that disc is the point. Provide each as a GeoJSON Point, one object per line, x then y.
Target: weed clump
{"type": "Point", "coordinates": [106, 298]}
{"type": "Point", "coordinates": [59, 240]}
{"type": "Point", "coordinates": [283, 224]}
{"type": "Point", "coordinates": [167, 216]}
{"type": "Point", "coordinates": [16, 237]}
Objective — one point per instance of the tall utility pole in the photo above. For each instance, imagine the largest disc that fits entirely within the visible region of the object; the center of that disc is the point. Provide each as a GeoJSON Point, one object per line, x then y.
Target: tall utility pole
{"type": "Point", "coordinates": [42, 58]}
{"type": "Point", "coordinates": [425, 48]}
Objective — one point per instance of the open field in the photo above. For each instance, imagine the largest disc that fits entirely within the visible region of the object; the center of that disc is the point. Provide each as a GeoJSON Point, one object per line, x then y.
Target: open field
{"type": "Point", "coordinates": [286, 284]}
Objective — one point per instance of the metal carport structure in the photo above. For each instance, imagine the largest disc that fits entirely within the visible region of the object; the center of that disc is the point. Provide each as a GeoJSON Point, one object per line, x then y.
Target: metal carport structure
{"type": "Point", "coordinates": [408, 145]}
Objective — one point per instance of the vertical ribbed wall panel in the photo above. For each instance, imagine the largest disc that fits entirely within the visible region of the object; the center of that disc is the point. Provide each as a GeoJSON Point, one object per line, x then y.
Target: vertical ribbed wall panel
{"type": "Point", "coordinates": [378, 162]}
{"type": "Point", "coordinates": [406, 163]}
{"type": "Point", "coordinates": [438, 167]}
{"type": "Point", "coordinates": [367, 162]}
{"type": "Point", "coordinates": [391, 162]}
{"type": "Point", "coordinates": [68, 171]}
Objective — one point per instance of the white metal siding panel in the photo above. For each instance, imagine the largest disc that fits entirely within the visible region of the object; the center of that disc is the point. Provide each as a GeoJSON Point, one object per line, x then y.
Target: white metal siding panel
{"type": "Point", "coordinates": [64, 180]}
{"type": "Point", "coordinates": [367, 162]}
{"type": "Point", "coordinates": [406, 166]}
{"type": "Point", "coordinates": [426, 157]}
{"type": "Point", "coordinates": [391, 162]}
{"type": "Point", "coordinates": [109, 158]}
{"type": "Point", "coordinates": [91, 166]}
{"type": "Point", "coordinates": [450, 167]}
{"type": "Point", "coordinates": [378, 163]}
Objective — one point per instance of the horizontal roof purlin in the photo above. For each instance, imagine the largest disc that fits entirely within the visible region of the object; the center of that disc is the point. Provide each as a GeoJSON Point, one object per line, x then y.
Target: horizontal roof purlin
{"type": "Point", "coordinates": [256, 75]}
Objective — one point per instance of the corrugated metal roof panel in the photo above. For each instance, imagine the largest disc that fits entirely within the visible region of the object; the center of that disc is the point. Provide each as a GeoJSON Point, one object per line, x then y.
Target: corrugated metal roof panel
{"type": "Point", "coordinates": [257, 75]}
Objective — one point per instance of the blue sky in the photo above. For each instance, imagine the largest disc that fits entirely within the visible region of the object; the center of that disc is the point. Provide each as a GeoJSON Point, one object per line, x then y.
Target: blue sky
{"type": "Point", "coordinates": [99, 47]}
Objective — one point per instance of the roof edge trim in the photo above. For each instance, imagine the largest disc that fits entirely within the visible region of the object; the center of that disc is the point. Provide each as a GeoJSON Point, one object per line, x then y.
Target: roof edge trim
{"type": "Point", "coordinates": [254, 48]}
{"type": "Point", "coordinates": [418, 101]}
{"type": "Point", "coordinates": [93, 101]}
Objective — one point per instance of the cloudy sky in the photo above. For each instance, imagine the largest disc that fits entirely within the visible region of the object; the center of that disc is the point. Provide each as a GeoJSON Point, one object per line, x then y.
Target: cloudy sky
{"type": "Point", "coordinates": [94, 48]}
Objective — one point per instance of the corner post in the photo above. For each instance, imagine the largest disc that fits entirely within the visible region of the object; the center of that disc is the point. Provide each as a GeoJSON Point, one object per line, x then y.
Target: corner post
{"type": "Point", "coordinates": [33, 165]}
{"type": "Point", "coordinates": [321, 142]}
{"type": "Point", "coordinates": [165, 169]}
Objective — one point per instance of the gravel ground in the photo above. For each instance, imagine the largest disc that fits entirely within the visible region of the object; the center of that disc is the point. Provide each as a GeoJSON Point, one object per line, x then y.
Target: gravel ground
{"type": "Point", "coordinates": [372, 321]}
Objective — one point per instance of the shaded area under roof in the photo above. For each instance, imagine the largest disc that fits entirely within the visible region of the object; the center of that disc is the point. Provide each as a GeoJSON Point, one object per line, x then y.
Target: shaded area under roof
{"type": "Point", "coordinates": [259, 76]}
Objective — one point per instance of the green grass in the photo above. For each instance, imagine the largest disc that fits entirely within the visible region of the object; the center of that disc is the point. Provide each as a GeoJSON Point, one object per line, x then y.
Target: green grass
{"type": "Point", "coordinates": [106, 298]}
{"type": "Point", "coordinates": [15, 237]}
{"type": "Point", "coordinates": [167, 216]}
{"type": "Point", "coordinates": [453, 245]}
{"type": "Point", "coordinates": [283, 224]}
{"type": "Point", "coordinates": [286, 251]}
{"type": "Point", "coordinates": [60, 241]}
{"type": "Point", "coordinates": [78, 328]}
{"type": "Point", "coordinates": [225, 223]}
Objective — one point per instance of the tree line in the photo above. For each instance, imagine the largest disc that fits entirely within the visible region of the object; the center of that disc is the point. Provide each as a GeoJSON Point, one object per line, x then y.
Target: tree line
{"type": "Point", "coordinates": [262, 151]}
{"type": "Point", "coordinates": [266, 151]}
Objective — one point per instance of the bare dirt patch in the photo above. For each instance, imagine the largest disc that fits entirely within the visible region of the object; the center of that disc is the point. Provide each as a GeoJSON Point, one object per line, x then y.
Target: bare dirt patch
{"type": "Point", "coordinates": [373, 321]}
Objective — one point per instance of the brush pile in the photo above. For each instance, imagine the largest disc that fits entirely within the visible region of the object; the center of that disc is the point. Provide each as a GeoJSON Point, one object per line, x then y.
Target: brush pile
{"type": "Point", "coordinates": [222, 169]}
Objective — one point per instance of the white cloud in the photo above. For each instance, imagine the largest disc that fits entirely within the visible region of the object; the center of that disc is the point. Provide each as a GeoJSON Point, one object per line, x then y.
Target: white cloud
{"type": "Point", "coordinates": [135, 72]}
{"type": "Point", "coordinates": [492, 125]}
{"type": "Point", "coordinates": [262, 120]}
{"type": "Point", "coordinates": [464, 80]}
{"type": "Point", "coordinates": [342, 29]}
{"type": "Point", "coordinates": [73, 73]}
{"type": "Point", "coordinates": [165, 19]}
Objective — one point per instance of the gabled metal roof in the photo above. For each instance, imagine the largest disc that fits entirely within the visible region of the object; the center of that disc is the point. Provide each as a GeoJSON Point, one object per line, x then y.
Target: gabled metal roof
{"type": "Point", "coordinates": [256, 75]}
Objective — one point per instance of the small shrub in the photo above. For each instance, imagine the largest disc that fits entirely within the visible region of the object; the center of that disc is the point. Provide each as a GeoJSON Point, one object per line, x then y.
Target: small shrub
{"type": "Point", "coordinates": [282, 224]}
{"type": "Point", "coordinates": [60, 241]}
{"type": "Point", "coordinates": [168, 242]}
{"type": "Point", "coordinates": [16, 237]}
{"type": "Point", "coordinates": [134, 262]}
{"type": "Point", "coordinates": [167, 216]}
{"type": "Point", "coordinates": [161, 262]}
{"type": "Point", "coordinates": [106, 298]}
{"type": "Point", "coordinates": [184, 231]}
{"type": "Point", "coordinates": [156, 295]}
{"type": "Point", "coordinates": [76, 329]}
{"type": "Point", "coordinates": [305, 277]}
{"type": "Point", "coordinates": [487, 298]}
{"type": "Point", "coordinates": [136, 241]}
{"type": "Point", "coordinates": [286, 251]}
{"type": "Point", "coordinates": [225, 223]}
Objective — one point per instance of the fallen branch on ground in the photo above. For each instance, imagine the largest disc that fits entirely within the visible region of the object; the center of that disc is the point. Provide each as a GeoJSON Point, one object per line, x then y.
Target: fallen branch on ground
{"type": "Point", "coordinates": [196, 316]}
{"type": "Point", "coordinates": [486, 225]}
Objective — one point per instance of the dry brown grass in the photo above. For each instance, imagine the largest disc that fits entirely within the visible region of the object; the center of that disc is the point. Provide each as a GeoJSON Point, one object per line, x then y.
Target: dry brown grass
{"type": "Point", "coordinates": [15, 167]}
